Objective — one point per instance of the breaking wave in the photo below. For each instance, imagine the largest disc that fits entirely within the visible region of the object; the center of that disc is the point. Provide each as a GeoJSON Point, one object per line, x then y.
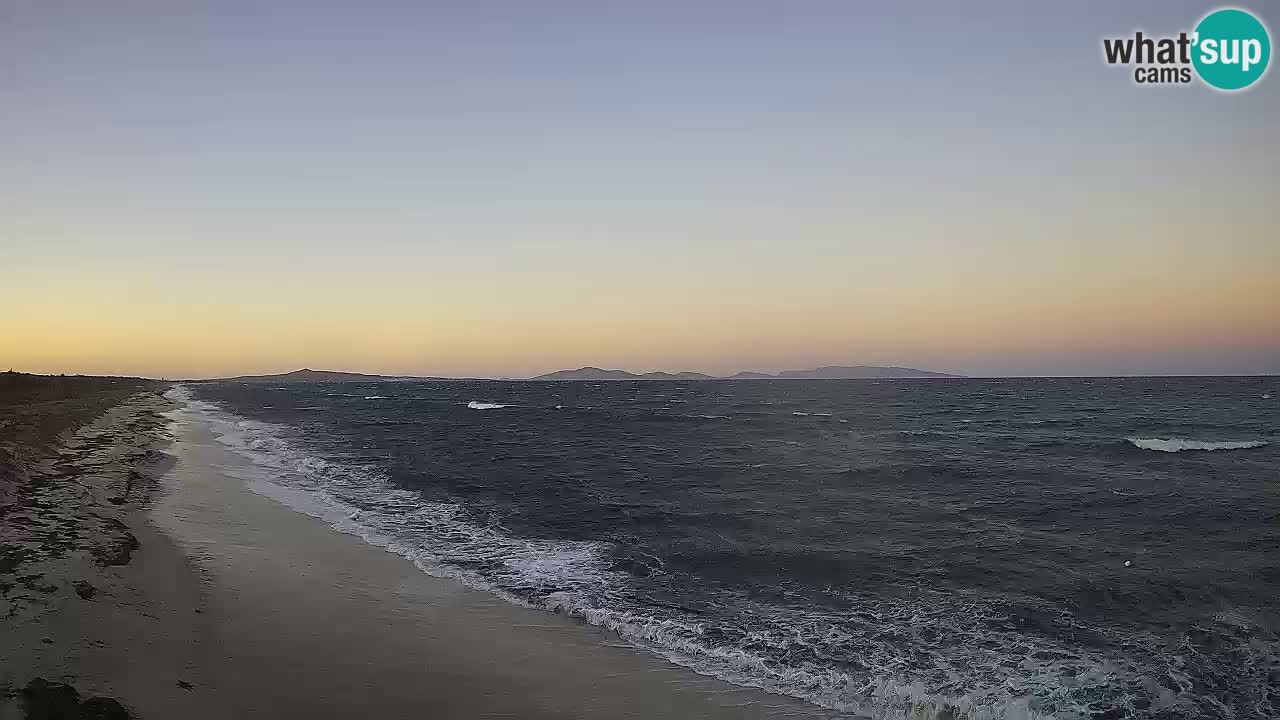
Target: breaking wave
{"type": "Point", "coordinates": [475, 405]}
{"type": "Point", "coordinates": [1173, 445]}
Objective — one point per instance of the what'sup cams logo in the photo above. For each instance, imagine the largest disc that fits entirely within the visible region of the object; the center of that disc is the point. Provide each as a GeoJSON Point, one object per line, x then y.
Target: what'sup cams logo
{"type": "Point", "coordinates": [1228, 50]}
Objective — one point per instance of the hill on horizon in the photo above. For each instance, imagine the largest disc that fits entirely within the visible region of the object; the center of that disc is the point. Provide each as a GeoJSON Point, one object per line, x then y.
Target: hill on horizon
{"type": "Point", "coordinates": [309, 375]}
{"type": "Point", "coordinates": [830, 372]}
{"type": "Point", "coordinates": [846, 372]}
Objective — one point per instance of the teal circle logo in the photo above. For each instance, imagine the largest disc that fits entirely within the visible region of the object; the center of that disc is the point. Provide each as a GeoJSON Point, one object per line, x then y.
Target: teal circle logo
{"type": "Point", "coordinates": [1232, 49]}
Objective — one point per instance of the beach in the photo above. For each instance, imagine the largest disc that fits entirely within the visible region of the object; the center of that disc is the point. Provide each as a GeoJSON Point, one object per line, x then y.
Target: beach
{"type": "Point", "coordinates": [229, 604]}
{"type": "Point", "coordinates": [537, 550]}
{"type": "Point", "coordinates": [96, 604]}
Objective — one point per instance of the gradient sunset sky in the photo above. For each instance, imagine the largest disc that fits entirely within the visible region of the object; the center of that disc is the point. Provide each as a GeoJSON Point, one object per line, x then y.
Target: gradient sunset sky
{"type": "Point", "coordinates": [507, 188]}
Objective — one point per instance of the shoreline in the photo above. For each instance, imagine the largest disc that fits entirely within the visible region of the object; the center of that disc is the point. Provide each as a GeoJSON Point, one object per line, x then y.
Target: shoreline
{"type": "Point", "coordinates": [312, 622]}
{"type": "Point", "coordinates": [185, 593]}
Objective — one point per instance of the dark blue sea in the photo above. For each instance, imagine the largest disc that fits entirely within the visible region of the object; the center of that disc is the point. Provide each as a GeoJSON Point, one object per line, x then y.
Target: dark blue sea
{"type": "Point", "coordinates": [1069, 548]}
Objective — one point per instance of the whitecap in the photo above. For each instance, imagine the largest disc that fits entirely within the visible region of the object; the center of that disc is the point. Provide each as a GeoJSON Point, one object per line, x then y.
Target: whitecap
{"type": "Point", "coordinates": [474, 405]}
{"type": "Point", "coordinates": [1173, 445]}
{"type": "Point", "coordinates": [375, 397]}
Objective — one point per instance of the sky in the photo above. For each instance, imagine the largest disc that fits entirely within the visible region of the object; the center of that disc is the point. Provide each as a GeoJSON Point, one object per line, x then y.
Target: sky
{"type": "Point", "coordinates": [509, 188]}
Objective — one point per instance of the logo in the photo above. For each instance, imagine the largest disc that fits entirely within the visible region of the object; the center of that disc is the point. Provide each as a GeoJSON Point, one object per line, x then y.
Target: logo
{"type": "Point", "coordinates": [1229, 49]}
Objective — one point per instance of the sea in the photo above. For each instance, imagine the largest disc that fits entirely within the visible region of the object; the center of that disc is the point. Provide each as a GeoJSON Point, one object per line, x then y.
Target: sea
{"type": "Point", "coordinates": [941, 548]}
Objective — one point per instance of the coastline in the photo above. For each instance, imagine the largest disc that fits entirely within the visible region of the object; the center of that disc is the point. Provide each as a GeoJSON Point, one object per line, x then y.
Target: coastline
{"type": "Point", "coordinates": [191, 595]}
{"type": "Point", "coordinates": [311, 622]}
{"type": "Point", "coordinates": [158, 564]}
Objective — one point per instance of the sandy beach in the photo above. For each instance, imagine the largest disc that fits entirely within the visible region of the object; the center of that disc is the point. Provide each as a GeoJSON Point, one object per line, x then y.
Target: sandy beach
{"type": "Point", "coordinates": [95, 603]}
{"type": "Point", "coordinates": [229, 604]}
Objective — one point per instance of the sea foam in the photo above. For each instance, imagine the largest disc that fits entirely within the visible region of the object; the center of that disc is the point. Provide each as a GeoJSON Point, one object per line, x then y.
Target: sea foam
{"type": "Point", "coordinates": [1173, 445]}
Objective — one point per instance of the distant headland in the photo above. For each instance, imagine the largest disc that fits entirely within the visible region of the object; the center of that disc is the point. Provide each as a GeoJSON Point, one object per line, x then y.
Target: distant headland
{"type": "Point", "coordinates": [309, 375]}
{"type": "Point", "coordinates": [830, 372]}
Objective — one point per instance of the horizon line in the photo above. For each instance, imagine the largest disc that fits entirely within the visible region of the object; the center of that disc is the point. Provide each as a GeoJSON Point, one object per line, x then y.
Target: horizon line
{"type": "Point", "coordinates": [709, 377]}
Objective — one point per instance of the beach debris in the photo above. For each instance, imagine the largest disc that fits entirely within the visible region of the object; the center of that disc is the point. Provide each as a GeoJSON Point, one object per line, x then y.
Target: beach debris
{"type": "Point", "coordinates": [84, 589]}
{"type": "Point", "coordinates": [118, 543]}
{"type": "Point", "coordinates": [45, 700]}
{"type": "Point", "coordinates": [36, 583]}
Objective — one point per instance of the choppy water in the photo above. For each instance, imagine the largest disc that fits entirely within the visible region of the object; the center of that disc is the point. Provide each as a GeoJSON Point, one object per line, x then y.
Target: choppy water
{"type": "Point", "coordinates": [894, 548]}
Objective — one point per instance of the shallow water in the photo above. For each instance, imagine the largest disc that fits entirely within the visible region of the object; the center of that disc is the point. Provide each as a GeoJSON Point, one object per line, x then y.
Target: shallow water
{"type": "Point", "coordinates": [887, 547]}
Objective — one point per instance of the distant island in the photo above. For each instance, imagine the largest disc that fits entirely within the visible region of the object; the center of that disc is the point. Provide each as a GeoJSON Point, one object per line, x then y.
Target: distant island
{"type": "Point", "coordinates": [595, 373]}
{"type": "Point", "coordinates": [830, 372]}
{"type": "Point", "coordinates": [318, 376]}
{"type": "Point", "coordinates": [845, 372]}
